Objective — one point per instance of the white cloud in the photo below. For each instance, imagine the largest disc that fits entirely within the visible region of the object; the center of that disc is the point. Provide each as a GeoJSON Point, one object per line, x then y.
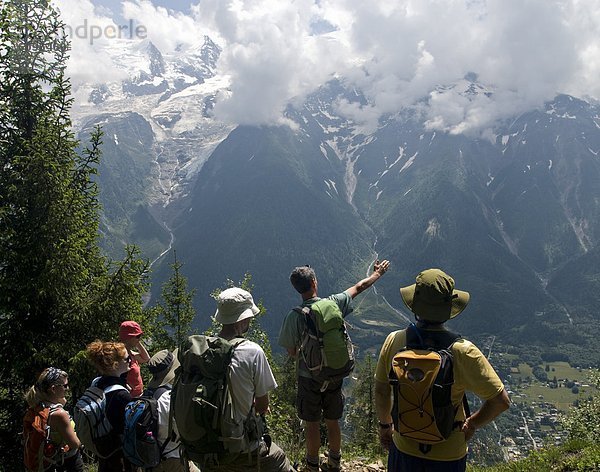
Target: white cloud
{"type": "Point", "coordinates": [398, 52]}
{"type": "Point", "coordinates": [86, 26]}
{"type": "Point", "coordinates": [270, 54]}
{"type": "Point", "coordinates": [529, 50]}
{"type": "Point", "coordinates": [165, 28]}
{"type": "Point", "coordinates": [395, 52]}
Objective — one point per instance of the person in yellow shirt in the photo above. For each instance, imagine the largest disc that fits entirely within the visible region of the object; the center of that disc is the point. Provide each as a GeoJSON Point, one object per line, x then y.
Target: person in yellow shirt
{"type": "Point", "coordinates": [433, 301]}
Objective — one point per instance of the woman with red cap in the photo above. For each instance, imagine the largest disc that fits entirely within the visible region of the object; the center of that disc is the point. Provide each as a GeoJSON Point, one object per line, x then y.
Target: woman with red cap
{"type": "Point", "coordinates": [130, 334]}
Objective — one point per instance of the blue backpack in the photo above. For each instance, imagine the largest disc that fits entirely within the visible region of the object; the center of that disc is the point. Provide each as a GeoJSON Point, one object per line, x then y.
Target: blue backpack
{"type": "Point", "coordinates": [140, 434]}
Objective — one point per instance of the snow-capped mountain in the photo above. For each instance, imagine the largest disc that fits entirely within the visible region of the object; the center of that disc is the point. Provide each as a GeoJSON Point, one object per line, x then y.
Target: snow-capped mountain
{"type": "Point", "coordinates": [159, 113]}
{"type": "Point", "coordinates": [514, 216]}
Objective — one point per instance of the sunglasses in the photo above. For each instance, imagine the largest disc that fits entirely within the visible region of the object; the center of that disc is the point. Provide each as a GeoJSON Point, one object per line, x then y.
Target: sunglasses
{"type": "Point", "coordinates": [65, 386]}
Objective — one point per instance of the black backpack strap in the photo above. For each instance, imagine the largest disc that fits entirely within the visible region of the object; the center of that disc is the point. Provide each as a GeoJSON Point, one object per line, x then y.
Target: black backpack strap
{"type": "Point", "coordinates": [237, 341]}
{"type": "Point", "coordinates": [305, 312]}
{"type": "Point", "coordinates": [393, 379]}
{"type": "Point", "coordinates": [418, 338]}
{"type": "Point", "coordinates": [160, 390]}
{"type": "Point", "coordinates": [466, 406]}
{"type": "Point", "coordinates": [414, 338]}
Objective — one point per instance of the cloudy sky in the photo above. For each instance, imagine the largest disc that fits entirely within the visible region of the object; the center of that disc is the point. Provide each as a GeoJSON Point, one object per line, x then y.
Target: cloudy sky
{"type": "Point", "coordinates": [395, 51]}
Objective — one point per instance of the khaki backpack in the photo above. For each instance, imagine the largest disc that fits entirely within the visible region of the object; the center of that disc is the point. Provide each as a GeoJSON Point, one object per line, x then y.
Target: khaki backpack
{"type": "Point", "coordinates": [422, 377]}
{"type": "Point", "coordinates": [201, 402]}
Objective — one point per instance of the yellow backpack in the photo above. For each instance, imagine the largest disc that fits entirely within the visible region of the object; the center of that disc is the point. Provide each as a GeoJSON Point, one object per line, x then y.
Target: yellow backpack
{"type": "Point", "coordinates": [422, 377]}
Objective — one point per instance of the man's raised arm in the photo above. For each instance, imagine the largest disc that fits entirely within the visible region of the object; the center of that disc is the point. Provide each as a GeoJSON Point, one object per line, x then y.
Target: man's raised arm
{"type": "Point", "coordinates": [379, 268]}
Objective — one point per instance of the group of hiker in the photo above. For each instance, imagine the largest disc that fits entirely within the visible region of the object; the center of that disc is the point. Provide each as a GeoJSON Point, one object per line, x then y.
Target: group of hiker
{"type": "Point", "coordinates": [205, 406]}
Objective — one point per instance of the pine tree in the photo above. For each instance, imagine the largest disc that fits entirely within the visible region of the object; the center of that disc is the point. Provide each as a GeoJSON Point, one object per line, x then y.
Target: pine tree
{"type": "Point", "coordinates": [176, 311]}
{"type": "Point", "coordinates": [361, 416]}
{"type": "Point", "coordinates": [284, 423]}
{"type": "Point", "coordinates": [48, 228]}
{"type": "Point", "coordinates": [57, 292]}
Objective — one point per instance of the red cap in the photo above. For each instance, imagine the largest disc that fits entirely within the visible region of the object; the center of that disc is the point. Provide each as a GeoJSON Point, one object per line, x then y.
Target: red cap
{"type": "Point", "coordinates": [129, 329]}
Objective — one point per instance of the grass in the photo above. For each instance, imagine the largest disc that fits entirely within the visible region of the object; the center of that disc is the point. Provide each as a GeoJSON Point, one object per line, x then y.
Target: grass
{"type": "Point", "coordinates": [562, 397]}
{"type": "Point", "coordinates": [562, 370]}
{"type": "Point", "coordinates": [571, 457]}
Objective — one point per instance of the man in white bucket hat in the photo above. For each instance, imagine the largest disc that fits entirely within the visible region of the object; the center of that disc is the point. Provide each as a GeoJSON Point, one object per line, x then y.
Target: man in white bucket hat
{"type": "Point", "coordinates": [251, 380]}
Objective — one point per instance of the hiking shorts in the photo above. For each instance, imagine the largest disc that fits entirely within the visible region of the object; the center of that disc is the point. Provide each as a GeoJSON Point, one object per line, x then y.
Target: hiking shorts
{"type": "Point", "coordinates": [311, 403]}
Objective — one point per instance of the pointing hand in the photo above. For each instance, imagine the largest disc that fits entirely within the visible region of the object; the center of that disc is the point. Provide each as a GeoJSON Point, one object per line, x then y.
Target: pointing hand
{"type": "Point", "coordinates": [381, 266]}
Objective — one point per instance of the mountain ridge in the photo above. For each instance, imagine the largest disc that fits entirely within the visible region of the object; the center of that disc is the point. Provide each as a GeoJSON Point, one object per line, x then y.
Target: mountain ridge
{"type": "Point", "coordinates": [512, 215]}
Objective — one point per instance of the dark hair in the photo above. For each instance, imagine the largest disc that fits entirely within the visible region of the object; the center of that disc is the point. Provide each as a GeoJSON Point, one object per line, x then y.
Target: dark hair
{"type": "Point", "coordinates": [302, 277]}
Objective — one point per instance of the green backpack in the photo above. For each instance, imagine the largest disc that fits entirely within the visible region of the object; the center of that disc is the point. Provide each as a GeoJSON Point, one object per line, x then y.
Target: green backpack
{"type": "Point", "coordinates": [201, 402]}
{"type": "Point", "coordinates": [326, 350]}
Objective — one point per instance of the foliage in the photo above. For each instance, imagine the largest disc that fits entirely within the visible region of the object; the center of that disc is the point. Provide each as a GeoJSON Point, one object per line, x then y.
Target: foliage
{"type": "Point", "coordinates": [48, 208]}
{"type": "Point", "coordinates": [540, 374]}
{"type": "Point", "coordinates": [583, 422]}
{"type": "Point", "coordinates": [57, 292]}
{"type": "Point", "coordinates": [361, 418]}
{"type": "Point", "coordinates": [117, 297]}
{"type": "Point", "coordinates": [285, 426]}
{"type": "Point", "coordinates": [175, 313]}
{"type": "Point", "coordinates": [575, 455]}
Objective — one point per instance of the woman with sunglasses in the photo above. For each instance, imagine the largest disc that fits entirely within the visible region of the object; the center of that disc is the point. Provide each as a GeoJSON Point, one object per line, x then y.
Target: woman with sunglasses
{"type": "Point", "coordinates": [50, 392]}
{"type": "Point", "coordinates": [112, 361]}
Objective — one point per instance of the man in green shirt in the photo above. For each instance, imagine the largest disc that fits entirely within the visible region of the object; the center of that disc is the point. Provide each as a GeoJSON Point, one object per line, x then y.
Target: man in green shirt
{"type": "Point", "coordinates": [311, 402]}
{"type": "Point", "coordinates": [434, 300]}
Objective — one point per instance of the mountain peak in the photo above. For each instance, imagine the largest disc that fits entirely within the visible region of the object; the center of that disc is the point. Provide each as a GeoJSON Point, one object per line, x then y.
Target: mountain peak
{"type": "Point", "coordinates": [157, 62]}
{"type": "Point", "coordinates": [468, 87]}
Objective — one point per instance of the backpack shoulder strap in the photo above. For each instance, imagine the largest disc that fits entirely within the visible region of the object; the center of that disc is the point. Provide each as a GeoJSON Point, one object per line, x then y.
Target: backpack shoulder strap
{"type": "Point", "coordinates": [235, 342]}
{"type": "Point", "coordinates": [114, 388]}
{"type": "Point", "coordinates": [160, 390]}
{"type": "Point", "coordinates": [304, 311]}
{"type": "Point", "coordinates": [55, 407]}
{"type": "Point", "coordinates": [417, 338]}
{"type": "Point", "coordinates": [445, 338]}
{"type": "Point", "coordinates": [414, 338]}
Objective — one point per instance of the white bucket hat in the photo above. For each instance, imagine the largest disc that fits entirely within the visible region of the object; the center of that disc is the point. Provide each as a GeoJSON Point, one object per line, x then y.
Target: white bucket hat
{"type": "Point", "coordinates": [235, 304]}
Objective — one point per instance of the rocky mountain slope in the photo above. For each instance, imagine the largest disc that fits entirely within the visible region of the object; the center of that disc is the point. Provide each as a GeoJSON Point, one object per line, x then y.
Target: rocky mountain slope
{"type": "Point", "coordinates": [514, 216]}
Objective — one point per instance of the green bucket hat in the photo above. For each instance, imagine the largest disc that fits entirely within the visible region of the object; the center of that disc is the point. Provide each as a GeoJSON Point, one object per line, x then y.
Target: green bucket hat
{"type": "Point", "coordinates": [433, 297]}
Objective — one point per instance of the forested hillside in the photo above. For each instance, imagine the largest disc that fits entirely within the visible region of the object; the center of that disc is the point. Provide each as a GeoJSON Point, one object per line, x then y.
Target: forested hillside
{"type": "Point", "coordinates": [513, 217]}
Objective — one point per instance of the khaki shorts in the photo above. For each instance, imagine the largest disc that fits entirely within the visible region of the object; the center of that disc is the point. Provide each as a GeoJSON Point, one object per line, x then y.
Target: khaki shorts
{"type": "Point", "coordinates": [311, 403]}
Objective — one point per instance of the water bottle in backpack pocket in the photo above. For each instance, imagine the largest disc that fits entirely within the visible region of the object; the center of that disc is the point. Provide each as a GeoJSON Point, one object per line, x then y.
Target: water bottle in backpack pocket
{"type": "Point", "coordinates": [140, 433]}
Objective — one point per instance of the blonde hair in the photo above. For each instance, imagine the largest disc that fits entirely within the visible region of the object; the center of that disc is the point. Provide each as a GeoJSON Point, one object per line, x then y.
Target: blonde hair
{"type": "Point", "coordinates": [106, 355]}
{"type": "Point", "coordinates": [38, 393]}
